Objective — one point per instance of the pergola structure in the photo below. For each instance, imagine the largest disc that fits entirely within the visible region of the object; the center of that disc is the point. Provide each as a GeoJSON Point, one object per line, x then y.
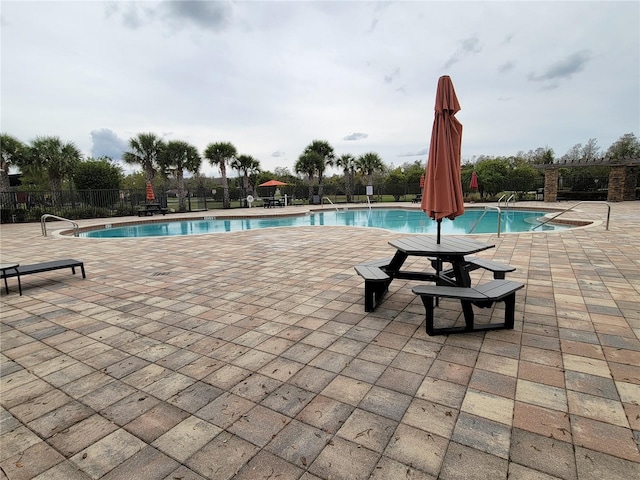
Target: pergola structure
{"type": "Point", "coordinates": [622, 177]}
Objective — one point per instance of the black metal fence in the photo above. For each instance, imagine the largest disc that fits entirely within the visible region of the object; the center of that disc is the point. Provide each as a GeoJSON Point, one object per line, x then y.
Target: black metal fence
{"type": "Point", "coordinates": [584, 187]}
{"type": "Point", "coordinates": [30, 205]}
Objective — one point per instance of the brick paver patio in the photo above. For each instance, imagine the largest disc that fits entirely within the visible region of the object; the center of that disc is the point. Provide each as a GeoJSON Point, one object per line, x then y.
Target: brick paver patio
{"type": "Point", "coordinates": [249, 356]}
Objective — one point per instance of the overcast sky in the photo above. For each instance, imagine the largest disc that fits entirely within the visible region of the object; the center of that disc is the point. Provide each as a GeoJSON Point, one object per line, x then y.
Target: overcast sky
{"type": "Point", "coordinates": [270, 77]}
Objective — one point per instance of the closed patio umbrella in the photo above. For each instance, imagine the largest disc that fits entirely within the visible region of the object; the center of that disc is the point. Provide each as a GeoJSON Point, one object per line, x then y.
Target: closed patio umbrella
{"type": "Point", "coordinates": [150, 195]}
{"type": "Point", "coordinates": [442, 193]}
{"type": "Point", "coordinates": [473, 184]}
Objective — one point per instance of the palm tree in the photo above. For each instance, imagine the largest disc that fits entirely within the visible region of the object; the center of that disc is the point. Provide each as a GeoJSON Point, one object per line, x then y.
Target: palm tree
{"type": "Point", "coordinates": [348, 164]}
{"type": "Point", "coordinates": [309, 163]}
{"type": "Point", "coordinates": [55, 157]}
{"type": "Point", "coordinates": [368, 164]}
{"type": "Point", "coordinates": [177, 157]}
{"type": "Point", "coordinates": [219, 154]}
{"type": "Point", "coordinates": [145, 150]}
{"type": "Point", "coordinates": [13, 153]}
{"type": "Point", "coordinates": [248, 166]}
{"type": "Point", "coordinates": [322, 148]}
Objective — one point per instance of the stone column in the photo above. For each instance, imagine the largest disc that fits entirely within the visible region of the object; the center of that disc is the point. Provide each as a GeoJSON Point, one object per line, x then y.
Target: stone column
{"type": "Point", "coordinates": [617, 182]}
{"type": "Point", "coordinates": [551, 184]}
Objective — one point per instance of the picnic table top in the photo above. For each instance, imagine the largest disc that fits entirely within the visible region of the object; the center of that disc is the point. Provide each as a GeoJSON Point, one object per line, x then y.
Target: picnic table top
{"type": "Point", "coordinates": [425, 245]}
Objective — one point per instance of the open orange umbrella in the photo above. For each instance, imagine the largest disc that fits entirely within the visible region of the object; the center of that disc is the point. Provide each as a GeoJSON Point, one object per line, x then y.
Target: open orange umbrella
{"type": "Point", "coordinates": [150, 195]}
{"type": "Point", "coordinates": [442, 193]}
{"type": "Point", "coordinates": [272, 183]}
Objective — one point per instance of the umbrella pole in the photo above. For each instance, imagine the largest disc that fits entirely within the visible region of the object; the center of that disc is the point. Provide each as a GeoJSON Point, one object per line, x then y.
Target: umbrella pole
{"type": "Point", "coordinates": [439, 262]}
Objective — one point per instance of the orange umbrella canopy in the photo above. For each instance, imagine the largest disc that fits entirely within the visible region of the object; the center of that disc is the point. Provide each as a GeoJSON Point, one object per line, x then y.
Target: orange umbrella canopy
{"type": "Point", "coordinates": [150, 195]}
{"type": "Point", "coordinates": [272, 183]}
{"type": "Point", "coordinates": [442, 194]}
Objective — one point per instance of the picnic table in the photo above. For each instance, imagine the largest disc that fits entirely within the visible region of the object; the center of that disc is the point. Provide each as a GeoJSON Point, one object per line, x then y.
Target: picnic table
{"type": "Point", "coordinates": [269, 202]}
{"type": "Point", "coordinates": [453, 282]}
{"type": "Point", "coordinates": [150, 209]}
{"type": "Point", "coordinates": [450, 250]}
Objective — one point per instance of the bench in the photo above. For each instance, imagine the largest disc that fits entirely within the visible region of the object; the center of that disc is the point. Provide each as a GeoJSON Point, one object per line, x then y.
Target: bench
{"type": "Point", "coordinates": [150, 208]}
{"type": "Point", "coordinates": [381, 263]}
{"type": "Point", "coordinates": [482, 296]}
{"type": "Point", "coordinates": [473, 263]}
{"type": "Point", "coordinates": [417, 198]}
{"type": "Point", "coordinates": [376, 284]}
{"type": "Point", "coordinates": [272, 202]}
{"type": "Point", "coordinates": [499, 269]}
{"type": "Point", "coordinates": [44, 267]}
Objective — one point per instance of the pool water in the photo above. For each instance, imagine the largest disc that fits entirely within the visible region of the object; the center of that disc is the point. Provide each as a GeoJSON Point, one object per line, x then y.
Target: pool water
{"type": "Point", "coordinates": [394, 219]}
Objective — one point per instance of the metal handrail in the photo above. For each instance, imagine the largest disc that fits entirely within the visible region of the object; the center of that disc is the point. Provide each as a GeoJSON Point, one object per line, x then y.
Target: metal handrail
{"type": "Point", "coordinates": [571, 208]}
{"type": "Point", "coordinates": [43, 223]}
{"type": "Point", "coordinates": [511, 197]}
{"type": "Point", "coordinates": [501, 198]}
{"type": "Point", "coordinates": [334, 205]}
{"type": "Point", "coordinates": [490, 207]}
{"type": "Point", "coordinates": [369, 202]}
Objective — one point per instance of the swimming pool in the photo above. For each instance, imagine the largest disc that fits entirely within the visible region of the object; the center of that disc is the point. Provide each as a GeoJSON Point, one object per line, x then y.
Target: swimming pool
{"type": "Point", "coordinates": [394, 219]}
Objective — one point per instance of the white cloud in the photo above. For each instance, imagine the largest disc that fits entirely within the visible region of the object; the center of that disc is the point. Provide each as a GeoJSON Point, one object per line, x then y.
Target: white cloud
{"type": "Point", "coordinates": [355, 136]}
{"type": "Point", "coordinates": [272, 76]}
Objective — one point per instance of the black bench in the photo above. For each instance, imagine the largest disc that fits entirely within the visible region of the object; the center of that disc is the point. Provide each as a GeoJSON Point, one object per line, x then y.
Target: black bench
{"type": "Point", "coordinates": [376, 284]}
{"type": "Point", "coordinates": [272, 202]}
{"type": "Point", "coordinates": [45, 267]}
{"type": "Point", "coordinates": [382, 263]}
{"type": "Point", "coordinates": [417, 198]}
{"type": "Point", "coordinates": [151, 208]}
{"type": "Point", "coordinates": [482, 296]}
{"type": "Point", "coordinates": [499, 269]}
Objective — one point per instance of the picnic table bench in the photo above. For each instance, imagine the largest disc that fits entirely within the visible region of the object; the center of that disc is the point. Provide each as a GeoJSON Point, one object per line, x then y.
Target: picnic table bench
{"type": "Point", "coordinates": [482, 296]}
{"type": "Point", "coordinates": [272, 202]}
{"type": "Point", "coordinates": [151, 208]}
{"type": "Point", "coordinates": [21, 270]}
{"type": "Point", "coordinates": [376, 284]}
{"type": "Point", "coordinates": [498, 269]}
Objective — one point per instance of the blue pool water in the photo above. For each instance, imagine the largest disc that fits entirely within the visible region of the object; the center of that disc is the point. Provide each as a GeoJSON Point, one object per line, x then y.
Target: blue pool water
{"type": "Point", "coordinates": [394, 219]}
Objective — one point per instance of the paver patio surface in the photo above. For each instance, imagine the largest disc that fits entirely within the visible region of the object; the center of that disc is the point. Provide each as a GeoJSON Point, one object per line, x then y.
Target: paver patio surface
{"type": "Point", "coordinates": [249, 355]}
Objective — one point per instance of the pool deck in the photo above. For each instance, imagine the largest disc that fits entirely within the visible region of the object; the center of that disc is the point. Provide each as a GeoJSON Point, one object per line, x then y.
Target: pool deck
{"type": "Point", "coordinates": [249, 355]}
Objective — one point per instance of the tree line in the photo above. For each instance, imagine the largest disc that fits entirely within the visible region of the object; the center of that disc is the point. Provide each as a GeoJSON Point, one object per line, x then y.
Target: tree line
{"type": "Point", "coordinates": [50, 161]}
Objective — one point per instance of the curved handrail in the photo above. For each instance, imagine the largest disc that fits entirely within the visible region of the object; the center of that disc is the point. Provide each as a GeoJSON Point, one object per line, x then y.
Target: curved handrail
{"type": "Point", "coordinates": [43, 223]}
{"type": "Point", "coordinates": [369, 202]}
{"type": "Point", "coordinates": [490, 207]}
{"type": "Point", "coordinates": [571, 208]}
{"type": "Point", "coordinates": [501, 198]}
{"type": "Point", "coordinates": [511, 197]}
{"type": "Point", "coordinates": [334, 205]}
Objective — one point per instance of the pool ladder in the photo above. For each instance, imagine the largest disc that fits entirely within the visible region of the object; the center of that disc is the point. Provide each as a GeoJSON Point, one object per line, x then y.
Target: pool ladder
{"type": "Point", "coordinates": [488, 207]}
{"type": "Point", "coordinates": [571, 208]}
{"type": "Point", "coordinates": [329, 200]}
{"type": "Point", "coordinates": [512, 198]}
{"type": "Point", "coordinates": [43, 223]}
